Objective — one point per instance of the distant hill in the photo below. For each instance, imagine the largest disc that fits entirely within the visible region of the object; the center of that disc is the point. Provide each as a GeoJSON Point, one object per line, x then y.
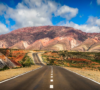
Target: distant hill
{"type": "Point", "coordinates": [51, 38]}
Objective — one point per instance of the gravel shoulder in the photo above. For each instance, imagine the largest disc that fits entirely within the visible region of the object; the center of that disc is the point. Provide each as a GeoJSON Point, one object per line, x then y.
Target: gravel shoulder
{"type": "Point", "coordinates": [92, 74]}
{"type": "Point", "coordinates": [14, 72]}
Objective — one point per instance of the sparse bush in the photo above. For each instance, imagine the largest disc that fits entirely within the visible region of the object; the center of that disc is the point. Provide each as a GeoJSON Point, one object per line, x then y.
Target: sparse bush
{"type": "Point", "coordinates": [4, 68]}
{"type": "Point", "coordinates": [99, 68]}
{"type": "Point", "coordinates": [26, 61]}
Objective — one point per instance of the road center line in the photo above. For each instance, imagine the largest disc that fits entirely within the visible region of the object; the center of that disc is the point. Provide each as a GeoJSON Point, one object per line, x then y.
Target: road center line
{"type": "Point", "coordinates": [51, 86]}
{"type": "Point", "coordinates": [51, 80]}
{"type": "Point", "coordinates": [51, 76]}
{"type": "Point", "coordinates": [51, 70]}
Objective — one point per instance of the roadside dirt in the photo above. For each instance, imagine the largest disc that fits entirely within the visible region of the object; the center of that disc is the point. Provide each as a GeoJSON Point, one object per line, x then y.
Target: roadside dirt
{"type": "Point", "coordinates": [13, 72]}
{"type": "Point", "coordinates": [40, 57]}
{"type": "Point", "coordinates": [92, 74]}
{"type": "Point", "coordinates": [30, 54]}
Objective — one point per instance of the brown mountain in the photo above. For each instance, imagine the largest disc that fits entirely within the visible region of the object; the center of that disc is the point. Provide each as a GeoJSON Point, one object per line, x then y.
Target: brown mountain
{"type": "Point", "coordinates": [50, 38]}
{"type": "Point", "coordinates": [20, 45]}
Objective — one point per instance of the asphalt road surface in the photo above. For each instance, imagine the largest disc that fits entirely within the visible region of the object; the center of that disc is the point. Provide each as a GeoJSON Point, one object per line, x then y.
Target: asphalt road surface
{"type": "Point", "coordinates": [36, 59]}
{"type": "Point", "coordinates": [49, 78]}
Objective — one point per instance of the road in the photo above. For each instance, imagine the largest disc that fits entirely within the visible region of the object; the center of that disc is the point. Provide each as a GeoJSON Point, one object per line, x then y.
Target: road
{"type": "Point", "coordinates": [36, 59]}
{"type": "Point", "coordinates": [49, 78]}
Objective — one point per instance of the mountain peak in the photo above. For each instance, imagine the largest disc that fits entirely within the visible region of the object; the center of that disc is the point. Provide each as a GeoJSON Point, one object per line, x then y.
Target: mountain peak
{"type": "Point", "coordinates": [46, 38]}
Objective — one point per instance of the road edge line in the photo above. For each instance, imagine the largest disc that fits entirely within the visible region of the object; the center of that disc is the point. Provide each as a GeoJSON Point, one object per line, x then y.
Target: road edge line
{"type": "Point", "coordinates": [18, 75]}
{"type": "Point", "coordinates": [82, 76]}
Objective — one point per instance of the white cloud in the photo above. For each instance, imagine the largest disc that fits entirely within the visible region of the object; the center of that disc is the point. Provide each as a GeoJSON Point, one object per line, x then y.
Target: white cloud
{"type": "Point", "coordinates": [93, 25]}
{"type": "Point", "coordinates": [8, 22]}
{"type": "Point", "coordinates": [93, 21]}
{"type": "Point", "coordinates": [66, 12]}
{"type": "Point", "coordinates": [38, 13]}
{"type": "Point", "coordinates": [28, 17]}
{"type": "Point", "coordinates": [3, 8]}
{"type": "Point", "coordinates": [98, 2]}
{"type": "Point", "coordinates": [3, 29]}
{"type": "Point", "coordinates": [35, 13]}
{"type": "Point", "coordinates": [32, 3]}
{"type": "Point", "coordinates": [98, 22]}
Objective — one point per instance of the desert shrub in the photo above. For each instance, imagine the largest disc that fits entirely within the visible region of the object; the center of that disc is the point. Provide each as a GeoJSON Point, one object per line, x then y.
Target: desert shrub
{"type": "Point", "coordinates": [26, 61]}
{"type": "Point", "coordinates": [99, 68]}
{"type": "Point", "coordinates": [16, 67]}
{"type": "Point", "coordinates": [4, 68]}
{"type": "Point", "coordinates": [52, 61]}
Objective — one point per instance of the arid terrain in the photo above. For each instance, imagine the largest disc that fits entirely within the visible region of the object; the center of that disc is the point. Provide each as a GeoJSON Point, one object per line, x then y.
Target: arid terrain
{"type": "Point", "coordinates": [84, 63]}
{"type": "Point", "coordinates": [52, 45]}
{"type": "Point", "coordinates": [14, 72]}
{"type": "Point", "coordinates": [51, 38]}
{"type": "Point", "coordinates": [92, 74]}
{"type": "Point", "coordinates": [12, 58]}
{"type": "Point", "coordinates": [15, 62]}
{"type": "Point", "coordinates": [86, 60]}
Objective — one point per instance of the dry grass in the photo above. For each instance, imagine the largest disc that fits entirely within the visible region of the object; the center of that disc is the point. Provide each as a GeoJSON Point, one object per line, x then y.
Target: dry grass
{"type": "Point", "coordinates": [95, 75]}
{"type": "Point", "coordinates": [13, 72]}
{"type": "Point", "coordinates": [40, 57]}
{"type": "Point", "coordinates": [30, 54]}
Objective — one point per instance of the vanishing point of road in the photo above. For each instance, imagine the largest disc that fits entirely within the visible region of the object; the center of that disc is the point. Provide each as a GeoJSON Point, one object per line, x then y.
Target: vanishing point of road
{"type": "Point", "coordinates": [49, 78]}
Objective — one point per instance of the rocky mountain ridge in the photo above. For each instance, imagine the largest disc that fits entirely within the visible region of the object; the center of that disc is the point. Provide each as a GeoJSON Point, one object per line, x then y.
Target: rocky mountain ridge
{"type": "Point", "coordinates": [49, 38]}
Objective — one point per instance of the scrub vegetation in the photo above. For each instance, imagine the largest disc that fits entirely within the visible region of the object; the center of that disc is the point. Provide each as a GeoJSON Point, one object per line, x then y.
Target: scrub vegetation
{"type": "Point", "coordinates": [26, 61]}
{"type": "Point", "coordinates": [90, 60]}
{"type": "Point", "coordinates": [20, 58]}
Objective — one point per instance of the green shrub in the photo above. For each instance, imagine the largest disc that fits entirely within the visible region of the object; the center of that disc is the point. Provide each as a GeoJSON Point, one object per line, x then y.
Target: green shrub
{"type": "Point", "coordinates": [26, 61]}
{"type": "Point", "coordinates": [4, 68]}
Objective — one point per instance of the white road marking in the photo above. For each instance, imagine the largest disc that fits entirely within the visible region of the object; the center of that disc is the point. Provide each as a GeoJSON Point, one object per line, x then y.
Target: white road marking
{"type": "Point", "coordinates": [51, 86]}
{"type": "Point", "coordinates": [51, 76]}
{"type": "Point", "coordinates": [51, 69]}
{"type": "Point", "coordinates": [18, 75]}
{"type": "Point", "coordinates": [51, 80]}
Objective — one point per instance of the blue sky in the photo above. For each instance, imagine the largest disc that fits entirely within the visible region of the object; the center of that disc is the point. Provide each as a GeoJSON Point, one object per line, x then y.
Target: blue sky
{"type": "Point", "coordinates": [79, 14]}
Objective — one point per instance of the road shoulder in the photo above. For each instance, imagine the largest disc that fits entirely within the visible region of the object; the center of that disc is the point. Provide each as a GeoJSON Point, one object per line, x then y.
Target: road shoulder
{"type": "Point", "coordinates": [7, 74]}
{"type": "Point", "coordinates": [90, 74]}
